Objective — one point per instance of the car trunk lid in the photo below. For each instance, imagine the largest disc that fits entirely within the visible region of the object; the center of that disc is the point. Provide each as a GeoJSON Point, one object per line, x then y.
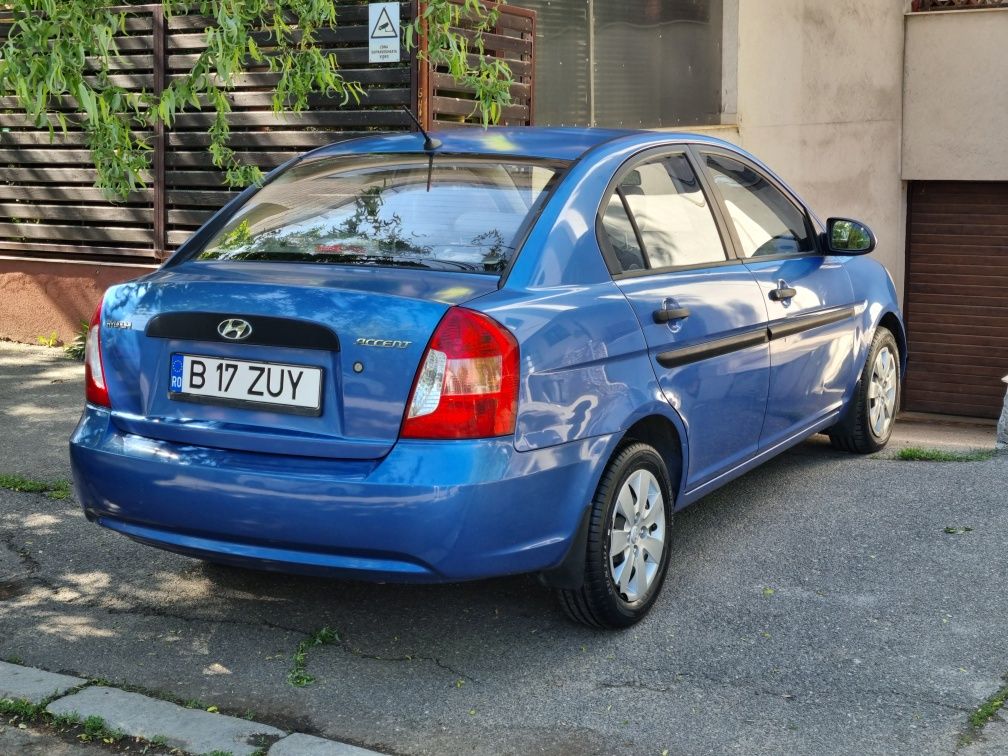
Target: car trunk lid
{"type": "Point", "coordinates": [360, 332]}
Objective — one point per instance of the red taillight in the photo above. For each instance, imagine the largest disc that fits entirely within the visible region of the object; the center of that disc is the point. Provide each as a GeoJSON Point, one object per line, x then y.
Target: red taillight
{"type": "Point", "coordinates": [467, 384]}
{"type": "Point", "coordinates": [95, 390]}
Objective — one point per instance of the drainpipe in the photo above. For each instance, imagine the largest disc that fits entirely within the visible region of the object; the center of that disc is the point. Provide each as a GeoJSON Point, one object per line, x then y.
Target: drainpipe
{"type": "Point", "coordinates": [1002, 432]}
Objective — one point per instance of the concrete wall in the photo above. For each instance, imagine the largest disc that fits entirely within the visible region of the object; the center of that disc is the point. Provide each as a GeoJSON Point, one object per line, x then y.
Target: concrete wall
{"type": "Point", "coordinates": [820, 100]}
{"type": "Point", "coordinates": [38, 297]}
{"type": "Point", "coordinates": [955, 96]}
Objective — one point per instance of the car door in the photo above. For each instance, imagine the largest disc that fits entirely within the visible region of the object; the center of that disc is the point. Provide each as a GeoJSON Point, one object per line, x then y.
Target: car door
{"type": "Point", "coordinates": [808, 295]}
{"type": "Point", "coordinates": [701, 312]}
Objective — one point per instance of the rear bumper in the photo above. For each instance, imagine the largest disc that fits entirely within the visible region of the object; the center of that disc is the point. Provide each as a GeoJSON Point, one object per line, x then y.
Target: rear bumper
{"type": "Point", "coordinates": [429, 511]}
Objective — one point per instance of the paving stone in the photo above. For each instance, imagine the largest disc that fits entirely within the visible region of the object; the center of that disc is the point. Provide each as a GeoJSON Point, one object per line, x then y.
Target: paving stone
{"type": "Point", "coordinates": [35, 685]}
{"type": "Point", "coordinates": [309, 745]}
{"type": "Point", "coordinates": [31, 742]}
{"type": "Point", "coordinates": [190, 730]}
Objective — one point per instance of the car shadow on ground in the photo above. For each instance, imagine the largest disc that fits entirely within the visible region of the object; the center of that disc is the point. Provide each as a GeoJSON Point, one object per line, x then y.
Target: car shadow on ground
{"type": "Point", "coordinates": [397, 607]}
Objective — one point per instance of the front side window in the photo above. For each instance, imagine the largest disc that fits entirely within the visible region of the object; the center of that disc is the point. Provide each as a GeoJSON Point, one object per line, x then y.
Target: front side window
{"type": "Point", "coordinates": [460, 213]}
{"type": "Point", "coordinates": [766, 221]}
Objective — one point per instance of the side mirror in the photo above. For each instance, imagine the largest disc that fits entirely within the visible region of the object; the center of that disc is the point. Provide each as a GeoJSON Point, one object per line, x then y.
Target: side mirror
{"type": "Point", "coordinates": [848, 237]}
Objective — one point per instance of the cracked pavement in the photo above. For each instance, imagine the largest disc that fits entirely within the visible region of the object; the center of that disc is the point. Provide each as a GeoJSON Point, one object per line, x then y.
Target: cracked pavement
{"type": "Point", "coordinates": [814, 605]}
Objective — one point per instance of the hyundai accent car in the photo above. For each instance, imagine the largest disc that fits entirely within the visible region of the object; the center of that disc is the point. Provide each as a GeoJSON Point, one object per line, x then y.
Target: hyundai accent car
{"type": "Point", "coordinates": [486, 353]}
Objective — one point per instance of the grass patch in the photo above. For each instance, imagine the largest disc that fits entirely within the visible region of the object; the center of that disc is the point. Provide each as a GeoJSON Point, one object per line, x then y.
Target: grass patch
{"type": "Point", "coordinates": [983, 714]}
{"type": "Point", "coordinates": [298, 675]}
{"type": "Point", "coordinates": [18, 708]}
{"type": "Point", "coordinates": [920, 454]}
{"type": "Point", "coordinates": [71, 727]}
{"type": "Point", "coordinates": [75, 349]}
{"type": "Point", "coordinates": [985, 711]}
{"type": "Point", "coordinates": [95, 728]}
{"type": "Point", "coordinates": [58, 490]}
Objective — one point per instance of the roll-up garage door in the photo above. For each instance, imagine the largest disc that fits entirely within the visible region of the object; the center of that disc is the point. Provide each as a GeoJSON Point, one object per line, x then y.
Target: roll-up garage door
{"type": "Point", "coordinates": [957, 297]}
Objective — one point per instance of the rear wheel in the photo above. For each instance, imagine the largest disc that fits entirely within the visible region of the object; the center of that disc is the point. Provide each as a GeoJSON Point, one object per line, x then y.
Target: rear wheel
{"type": "Point", "coordinates": [628, 542]}
{"type": "Point", "coordinates": [869, 420]}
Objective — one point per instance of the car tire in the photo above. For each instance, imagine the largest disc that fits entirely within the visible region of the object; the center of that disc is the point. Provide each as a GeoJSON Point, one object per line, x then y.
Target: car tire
{"type": "Point", "coordinates": [868, 422]}
{"type": "Point", "coordinates": [619, 589]}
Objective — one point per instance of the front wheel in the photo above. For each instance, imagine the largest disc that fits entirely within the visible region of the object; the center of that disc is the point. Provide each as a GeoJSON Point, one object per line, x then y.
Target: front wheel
{"type": "Point", "coordinates": [869, 420]}
{"type": "Point", "coordinates": [628, 542]}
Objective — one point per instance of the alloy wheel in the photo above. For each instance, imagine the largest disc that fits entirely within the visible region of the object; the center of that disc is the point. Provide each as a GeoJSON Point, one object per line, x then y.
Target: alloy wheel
{"type": "Point", "coordinates": [637, 535]}
{"type": "Point", "coordinates": [882, 392]}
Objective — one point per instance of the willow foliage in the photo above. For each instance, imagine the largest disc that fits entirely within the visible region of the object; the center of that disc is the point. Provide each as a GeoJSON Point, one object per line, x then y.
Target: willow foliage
{"type": "Point", "coordinates": [58, 61]}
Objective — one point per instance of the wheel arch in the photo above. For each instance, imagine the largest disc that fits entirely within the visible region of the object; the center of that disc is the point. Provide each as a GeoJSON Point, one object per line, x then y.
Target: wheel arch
{"type": "Point", "coordinates": [659, 426]}
{"type": "Point", "coordinates": [891, 322]}
{"type": "Point", "coordinates": [659, 432]}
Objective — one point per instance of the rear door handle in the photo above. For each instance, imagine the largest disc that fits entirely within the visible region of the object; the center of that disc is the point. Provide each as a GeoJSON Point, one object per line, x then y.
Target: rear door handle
{"type": "Point", "coordinates": [668, 314]}
{"type": "Point", "coordinates": [783, 292]}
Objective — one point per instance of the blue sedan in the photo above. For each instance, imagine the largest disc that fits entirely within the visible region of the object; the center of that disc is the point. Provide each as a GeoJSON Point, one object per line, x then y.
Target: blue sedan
{"type": "Point", "coordinates": [495, 352]}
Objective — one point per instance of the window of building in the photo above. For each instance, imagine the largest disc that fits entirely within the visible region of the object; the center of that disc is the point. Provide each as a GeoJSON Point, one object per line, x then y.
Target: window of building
{"type": "Point", "coordinates": [638, 64]}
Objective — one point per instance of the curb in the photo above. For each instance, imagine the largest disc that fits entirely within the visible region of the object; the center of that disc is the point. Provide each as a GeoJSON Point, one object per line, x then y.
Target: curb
{"type": "Point", "coordinates": [192, 731]}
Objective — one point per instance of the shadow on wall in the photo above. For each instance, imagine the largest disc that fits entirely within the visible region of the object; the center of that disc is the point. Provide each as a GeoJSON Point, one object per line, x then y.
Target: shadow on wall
{"type": "Point", "coordinates": [39, 297]}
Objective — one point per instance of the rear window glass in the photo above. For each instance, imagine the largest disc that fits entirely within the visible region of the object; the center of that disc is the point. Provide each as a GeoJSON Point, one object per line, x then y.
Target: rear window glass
{"type": "Point", "coordinates": [464, 214]}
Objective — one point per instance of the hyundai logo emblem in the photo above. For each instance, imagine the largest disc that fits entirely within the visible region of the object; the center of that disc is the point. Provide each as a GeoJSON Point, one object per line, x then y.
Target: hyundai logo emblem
{"type": "Point", "coordinates": [234, 329]}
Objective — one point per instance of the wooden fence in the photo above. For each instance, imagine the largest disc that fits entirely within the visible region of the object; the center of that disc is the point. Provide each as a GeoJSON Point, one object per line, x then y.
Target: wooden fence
{"type": "Point", "coordinates": [49, 207]}
{"type": "Point", "coordinates": [445, 102]}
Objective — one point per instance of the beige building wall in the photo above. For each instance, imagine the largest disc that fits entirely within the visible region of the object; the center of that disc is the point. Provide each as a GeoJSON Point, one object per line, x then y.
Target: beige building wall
{"type": "Point", "coordinates": [955, 96]}
{"type": "Point", "coordinates": [820, 100]}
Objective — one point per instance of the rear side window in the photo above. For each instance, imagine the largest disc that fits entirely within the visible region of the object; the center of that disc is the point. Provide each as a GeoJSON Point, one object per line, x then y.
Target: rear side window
{"type": "Point", "coordinates": [465, 214]}
{"type": "Point", "coordinates": [766, 221]}
{"type": "Point", "coordinates": [622, 236]}
{"type": "Point", "coordinates": [674, 222]}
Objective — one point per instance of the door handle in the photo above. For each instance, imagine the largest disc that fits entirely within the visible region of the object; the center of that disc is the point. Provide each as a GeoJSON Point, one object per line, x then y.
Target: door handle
{"type": "Point", "coordinates": [668, 314]}
{"type": "Point", "coordinates": [783, 292]}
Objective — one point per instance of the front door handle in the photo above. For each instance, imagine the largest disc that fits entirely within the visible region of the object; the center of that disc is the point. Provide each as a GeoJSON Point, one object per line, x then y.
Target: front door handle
{"type": "Point", "coordinates": [783, 292]}
{"type": "Point", "coordinates": [668, 314]}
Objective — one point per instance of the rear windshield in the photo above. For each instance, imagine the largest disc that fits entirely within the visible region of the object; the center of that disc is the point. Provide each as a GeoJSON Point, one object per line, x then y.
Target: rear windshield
{"type": "Point", "coordinates": [461, 213]}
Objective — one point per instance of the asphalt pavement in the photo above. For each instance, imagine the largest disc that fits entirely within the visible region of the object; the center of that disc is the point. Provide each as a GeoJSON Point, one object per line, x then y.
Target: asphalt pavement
{"type": "Point", "coordinates": [824, 603]}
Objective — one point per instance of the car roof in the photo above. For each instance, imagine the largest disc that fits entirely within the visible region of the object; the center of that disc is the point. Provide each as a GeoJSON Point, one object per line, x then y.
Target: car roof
{"type": "Point", "coordinates": [555, 143]}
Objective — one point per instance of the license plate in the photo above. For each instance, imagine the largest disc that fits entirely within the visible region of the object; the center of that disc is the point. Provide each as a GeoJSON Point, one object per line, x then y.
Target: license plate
{"type": "Point", "coordinates": [239, 383]}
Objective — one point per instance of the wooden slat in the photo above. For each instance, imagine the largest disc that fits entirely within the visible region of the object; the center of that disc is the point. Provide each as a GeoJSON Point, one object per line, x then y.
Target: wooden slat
{"type": "Point", "coordinates": [68, 194]}
{"type": "Point", "coordinates": [345, 13]}
{"type": "Point", "coordinates": [191, 218]}
{"type": "Point", "coordinates": [442, 81]}
{"type": "Point", "coordinates": [374, 96]}
{"type": "Point", "coordinates": [52, 156]}
{"type": "Point", "coordinates": [346, 57]}
{"type": "Point", "coordinates": [199, 198]}
{"type": "Point", "coordinates": [175, 237]}
{"type": "Point", "coordinates": [353, 118]}
{"type": "Point", "coordinates": [98, 213]}
{"type": "Point", "coordinates": [466, 108]}
{"type": "Point", "coordinates": [275, 137]}
{"type": "Point", "coordinates": [98, 251]}
{"type": "Point", "coordinates": [76, 233]}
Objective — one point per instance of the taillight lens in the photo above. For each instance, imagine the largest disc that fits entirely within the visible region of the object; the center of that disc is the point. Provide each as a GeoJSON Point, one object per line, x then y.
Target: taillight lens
{"type": "Point", "coordinates": [467, 384]}
{"type": "Point", "coordinates": [95, 390]}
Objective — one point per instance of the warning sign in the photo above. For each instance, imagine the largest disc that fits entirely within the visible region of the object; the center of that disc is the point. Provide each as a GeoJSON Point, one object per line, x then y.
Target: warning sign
{"type": "Point", "coordinates": [383, 32]}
